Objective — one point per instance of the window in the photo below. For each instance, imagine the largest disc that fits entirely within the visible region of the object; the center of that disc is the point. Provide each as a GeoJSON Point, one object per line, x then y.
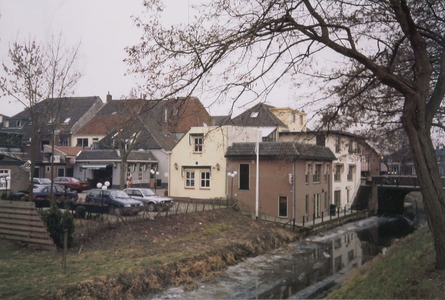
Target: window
{"type": "Point", "coordinates": [190, 179]}
{"type": "Point", "coordinates": [350, 255]}
{"type": "Point", "coordinates": [140, 171]}
{"type": "Point", "coordinates": [82, 143]}
{"type": "Point", "coordinates": [337, 195]}
{"type": "Point", "coordinates": [3, 174]}
{"type": "Point", "coordinates": [60, 172]}
{"type": "Point", "coordinates": [254, 114]}
{"type": "Point", "coordinates": [337, 144]}
{"type": "Point", "coordinates": [317, 174]}
{"type": "Point", "coordinates": [321, 140]}
{"type": "Point", "coordinates": [351, 173]}
{"type": "Point", "coordinates": [64, 143]}
{"type": "Point", "coordinates": [244, 176]}
{"type": "Point", "coordinates": [205, 179]}
{"type": "Point", "coordinates": [337, 175]}
{"type": "Point", "coordinates": [282, 207]}
{"type": "Point", "coordinates": [42, 145]}
{"type": "Point", "coordinates": [307, 204]}
{"type": "Point", "coordinates": [198, 144]}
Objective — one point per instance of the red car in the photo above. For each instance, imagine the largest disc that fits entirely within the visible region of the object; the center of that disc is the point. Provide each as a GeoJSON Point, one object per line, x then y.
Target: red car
{"type": "Point", "coordinates": [72, 183]}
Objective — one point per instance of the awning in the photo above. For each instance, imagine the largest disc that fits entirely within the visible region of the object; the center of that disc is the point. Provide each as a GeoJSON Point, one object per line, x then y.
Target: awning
{"type": "Point", "coordinates": [97, 166]}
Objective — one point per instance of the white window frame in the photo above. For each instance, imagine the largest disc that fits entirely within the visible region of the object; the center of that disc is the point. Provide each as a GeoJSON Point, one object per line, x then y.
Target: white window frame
{"type": "Point", "coordinates": [198, 144]}
{"type": "Point", "coordinates": [205, 180]}
{"type": "Point", "coordinates": [189, 179]}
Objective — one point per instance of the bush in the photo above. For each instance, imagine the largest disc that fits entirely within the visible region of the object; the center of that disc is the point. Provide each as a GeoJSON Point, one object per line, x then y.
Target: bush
{"type": "Point", "coordinates": [80, 212]}
{"type": "Point", "coordinates": [57, 222]}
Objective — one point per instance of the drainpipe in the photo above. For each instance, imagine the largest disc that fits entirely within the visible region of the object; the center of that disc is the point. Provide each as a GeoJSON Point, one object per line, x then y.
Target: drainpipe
{"type": "Point", "coordinates": [257, 200]}
{"type": "Point", "coordinates": [293, 192]}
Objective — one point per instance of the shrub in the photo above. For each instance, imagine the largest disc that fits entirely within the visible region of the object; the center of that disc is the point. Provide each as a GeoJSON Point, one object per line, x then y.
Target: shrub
{"type": "Point", "coordinates": [81, 211]}
{"type": "Point", "coordinates": [56, 222]}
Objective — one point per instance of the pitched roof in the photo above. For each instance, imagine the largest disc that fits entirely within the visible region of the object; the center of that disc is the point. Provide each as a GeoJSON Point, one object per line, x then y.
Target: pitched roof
{"type": "Point", "coordinates": [66, 150]}
{"type": "Point", "coordinates": [72, 109]}
{"type": "Point", "coordinates": [112, 155]}
{"type": "Point", "coordinates": [259, 115]}
{"type": "Point", "coordinates": [291, 150]}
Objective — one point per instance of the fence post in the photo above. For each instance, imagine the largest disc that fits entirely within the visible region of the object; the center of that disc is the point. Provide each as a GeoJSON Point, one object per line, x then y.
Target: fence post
{"type": "Point", "coordinates": [313, 218]}
{"type": "Point", "coordinates": [177, 207]}
{"type": "Point", "coordinates": [322, 217]}
{"type": "Point", "coordinates": [303, 221]}
{"type": "Point", "coordinates": [293, 224]}
{"type": "Point", "coordinates": [65, 245]}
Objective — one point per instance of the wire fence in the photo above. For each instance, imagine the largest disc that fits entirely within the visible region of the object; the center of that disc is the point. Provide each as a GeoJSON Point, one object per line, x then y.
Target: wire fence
{"type": "Point", "coordinates": [92, 224]}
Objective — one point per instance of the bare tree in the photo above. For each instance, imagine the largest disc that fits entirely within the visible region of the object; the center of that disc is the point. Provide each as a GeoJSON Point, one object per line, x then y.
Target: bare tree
{"type": "Point", "coordinates": [38, 72]}
{"type": "Point", "coordinates": [391, 75]}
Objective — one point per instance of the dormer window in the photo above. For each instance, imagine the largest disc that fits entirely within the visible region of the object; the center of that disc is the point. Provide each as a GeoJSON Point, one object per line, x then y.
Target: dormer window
{"type": "Point", "coordinates": [67, 121]}
{"type": "Point", "coordinates": [254, 114]}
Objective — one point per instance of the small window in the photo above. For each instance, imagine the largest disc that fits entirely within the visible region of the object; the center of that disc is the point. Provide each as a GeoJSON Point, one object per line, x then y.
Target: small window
{"type": "Point", "coordinates": [254, 114]}
{"type": "Point", "coordinates": [198, 141]}
{"type": "Point", "coordinates": [321, 140]}
{"type": "Point", "coordinates": [82, 143]}
{"type": "Point", "coordinates": [307, 204]}
{"type": "Point", "coordinates": [317, 174]}
{"type": "Point", "coordinates": [337, 144]}
{"type": "Point", "coordinates": [190, 179]}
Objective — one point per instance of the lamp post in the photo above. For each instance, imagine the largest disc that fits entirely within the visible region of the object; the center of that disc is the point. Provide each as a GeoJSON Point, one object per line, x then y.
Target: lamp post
{"type": "Point", "coordinates": [231, 175]}
{"type": "Point", "coordinates": [154, 175]}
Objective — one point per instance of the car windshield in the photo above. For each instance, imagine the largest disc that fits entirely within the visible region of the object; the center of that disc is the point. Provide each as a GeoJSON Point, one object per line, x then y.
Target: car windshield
{"type": "Point", "coordinates": [148, 192]}
{"type": "Point", "coordinates": [119, 194]}
{"type": "Point", "coordinates": [75, 179]}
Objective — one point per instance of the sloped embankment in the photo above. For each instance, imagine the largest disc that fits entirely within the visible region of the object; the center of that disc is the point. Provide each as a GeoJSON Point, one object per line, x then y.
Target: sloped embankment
{"type": "Point", "coordinates": [181, 249]}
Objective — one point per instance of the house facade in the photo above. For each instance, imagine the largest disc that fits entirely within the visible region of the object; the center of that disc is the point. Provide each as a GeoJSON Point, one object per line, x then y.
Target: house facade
{"type": "Point", "coordinates": [13, 177]}
{"type": "Point", "coordinates": [293, 179]}
{"type": "Point", "coordinates": [98, 165]}
{"type": "Point", "coordinates": [63, 116]}
{"type": "Point", "coordinates": [346, 168]}
{"type": "Point", "coordinates": [197, 162]}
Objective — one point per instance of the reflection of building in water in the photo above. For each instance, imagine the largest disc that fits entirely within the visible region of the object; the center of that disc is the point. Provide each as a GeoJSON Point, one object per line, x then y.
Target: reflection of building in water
{"type": "Point", "coordinates": [346, 250]}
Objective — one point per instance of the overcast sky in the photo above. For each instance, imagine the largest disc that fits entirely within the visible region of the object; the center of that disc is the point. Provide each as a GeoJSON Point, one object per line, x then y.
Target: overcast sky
{"type": "Point", "coordinates": [104, 28]}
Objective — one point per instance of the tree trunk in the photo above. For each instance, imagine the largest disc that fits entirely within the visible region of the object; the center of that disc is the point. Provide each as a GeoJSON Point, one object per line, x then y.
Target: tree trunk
{"type": "Point", "coordinates": [428, 175]}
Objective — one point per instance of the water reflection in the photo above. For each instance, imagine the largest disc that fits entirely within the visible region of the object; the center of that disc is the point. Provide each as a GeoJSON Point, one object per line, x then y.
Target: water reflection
{"type": "Point", "coordinates": [305, 267]}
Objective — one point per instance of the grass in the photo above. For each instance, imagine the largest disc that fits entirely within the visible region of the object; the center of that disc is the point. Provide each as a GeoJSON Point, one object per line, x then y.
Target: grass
{"type": "Point", "coordinates": [128, 261]}
{"type": "Point", "coordinates": [405, 272]}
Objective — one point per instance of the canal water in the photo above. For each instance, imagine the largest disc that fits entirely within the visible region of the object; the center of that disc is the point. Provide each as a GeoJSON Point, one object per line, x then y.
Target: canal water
{"type": "Point", "coordinates": [306, 269]}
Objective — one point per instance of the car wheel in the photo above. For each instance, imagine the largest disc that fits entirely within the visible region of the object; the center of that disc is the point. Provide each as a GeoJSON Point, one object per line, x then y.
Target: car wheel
{"type": "Point", "coordinates": [151, 207]}
{"type": "Point", "coordinates": [117, 211]}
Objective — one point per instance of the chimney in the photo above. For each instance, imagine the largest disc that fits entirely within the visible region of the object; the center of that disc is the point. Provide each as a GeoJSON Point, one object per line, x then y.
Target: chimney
{"type": "Point", "coordinates": [109, 97]}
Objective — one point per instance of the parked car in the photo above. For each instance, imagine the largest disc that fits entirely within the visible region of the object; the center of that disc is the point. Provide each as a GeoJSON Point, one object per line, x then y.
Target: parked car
{"type": "Point", "coordinates": [150, 199]}
{"type": "Point", "coordinates": [41, 180]}
{"type": "Point", "coordinates": [72, 183]}
{"type": "Point", "coordinates": [42, 192]}
{"type": "Point", "coordinates": [118, 202]}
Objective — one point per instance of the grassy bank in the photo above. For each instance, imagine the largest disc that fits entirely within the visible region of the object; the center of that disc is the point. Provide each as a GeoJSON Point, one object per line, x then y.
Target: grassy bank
{"type": "Point", "coordinates": [405, 272]}
{"type": "Point", "coordinates": [139, 259]}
